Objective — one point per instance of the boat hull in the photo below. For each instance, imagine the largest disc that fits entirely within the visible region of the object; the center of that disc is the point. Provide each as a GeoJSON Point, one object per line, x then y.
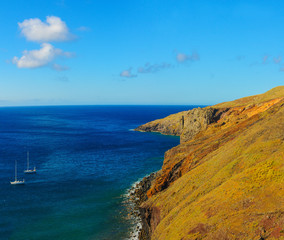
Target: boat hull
{"type": "Point", "coordinates": [18, 182]}
{"type": "Point", "coordinates": [30, 171]}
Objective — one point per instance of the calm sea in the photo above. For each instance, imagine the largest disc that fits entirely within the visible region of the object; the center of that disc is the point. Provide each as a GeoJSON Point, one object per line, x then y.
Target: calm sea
{"type": "Point", "coordinates": [87, 157]}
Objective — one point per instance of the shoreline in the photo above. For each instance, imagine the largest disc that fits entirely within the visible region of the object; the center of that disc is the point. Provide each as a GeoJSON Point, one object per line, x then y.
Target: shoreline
{"type": "Point", "coordinates": [137, 194]}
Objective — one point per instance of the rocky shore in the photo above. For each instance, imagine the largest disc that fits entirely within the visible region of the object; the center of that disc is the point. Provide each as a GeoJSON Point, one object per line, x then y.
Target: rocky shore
{"type": "Point", "coordinates": [137, 195]}
{"type": "Point", "coordinates": [224, 180]}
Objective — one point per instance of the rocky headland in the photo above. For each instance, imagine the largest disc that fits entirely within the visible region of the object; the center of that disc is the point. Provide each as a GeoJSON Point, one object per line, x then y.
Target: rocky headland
{"type": "Point", "coordinates": [226, 178]}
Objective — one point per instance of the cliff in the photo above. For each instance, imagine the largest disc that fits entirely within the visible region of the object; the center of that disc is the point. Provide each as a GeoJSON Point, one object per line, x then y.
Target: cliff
{"type": "Point", "coordinates": [226, 178]}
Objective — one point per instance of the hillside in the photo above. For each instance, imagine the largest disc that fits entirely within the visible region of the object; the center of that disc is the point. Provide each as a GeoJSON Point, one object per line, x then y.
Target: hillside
{"type": "Point", "coordinates": [226, 178]}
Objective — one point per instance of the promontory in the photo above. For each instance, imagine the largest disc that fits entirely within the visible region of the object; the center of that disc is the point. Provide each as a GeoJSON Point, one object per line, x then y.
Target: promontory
{"type": "Point", "coordinates": [226, 178]}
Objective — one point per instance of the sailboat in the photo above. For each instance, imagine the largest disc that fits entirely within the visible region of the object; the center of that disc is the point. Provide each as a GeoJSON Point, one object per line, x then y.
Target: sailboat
{"type": "Point", "coordinates": [17, 182]}
{"type": "Point", "coordinates": [28, 166]}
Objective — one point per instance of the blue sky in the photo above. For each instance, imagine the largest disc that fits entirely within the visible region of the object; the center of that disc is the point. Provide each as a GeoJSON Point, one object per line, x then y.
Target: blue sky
{"type": "Point", "coordinates": [138, 52]}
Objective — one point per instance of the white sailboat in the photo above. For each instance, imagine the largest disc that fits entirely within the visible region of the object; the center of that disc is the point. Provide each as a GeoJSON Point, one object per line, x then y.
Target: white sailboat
{"type": "Point", "coordinates": [17, 182]}
{"type": "Point", "coordinates": [28, 166]}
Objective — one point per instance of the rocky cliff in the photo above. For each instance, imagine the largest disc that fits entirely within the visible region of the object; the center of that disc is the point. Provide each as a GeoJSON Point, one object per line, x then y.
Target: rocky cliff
{"type": "Point", "coordinates": [185, 124]}
{"type": "Point", "coordinates": [226, 178]}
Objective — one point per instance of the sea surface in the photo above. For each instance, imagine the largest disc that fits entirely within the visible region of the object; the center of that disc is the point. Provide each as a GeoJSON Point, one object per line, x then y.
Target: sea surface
{"type": "Point", "coordinates": [86, 159]}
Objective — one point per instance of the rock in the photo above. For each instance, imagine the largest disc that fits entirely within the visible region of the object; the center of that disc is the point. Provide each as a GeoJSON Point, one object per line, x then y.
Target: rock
{"type": "Point", "coordinates": [185, 124]}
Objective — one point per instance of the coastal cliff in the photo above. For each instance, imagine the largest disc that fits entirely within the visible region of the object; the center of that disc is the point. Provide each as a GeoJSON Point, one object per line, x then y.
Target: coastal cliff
{"type": "Point", "coordinates": [226, 178]}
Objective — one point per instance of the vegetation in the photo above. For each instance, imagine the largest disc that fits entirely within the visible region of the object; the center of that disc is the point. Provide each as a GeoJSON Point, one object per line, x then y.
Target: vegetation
{"type": "Point", "coordinates": [228, 181]}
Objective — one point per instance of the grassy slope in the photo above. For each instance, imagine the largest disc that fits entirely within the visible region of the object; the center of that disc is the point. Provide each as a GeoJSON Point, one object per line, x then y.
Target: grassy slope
{"type": "Point", "coordinates": [276, 92]}
{"type": "Point", "coordinates": [237, 191]}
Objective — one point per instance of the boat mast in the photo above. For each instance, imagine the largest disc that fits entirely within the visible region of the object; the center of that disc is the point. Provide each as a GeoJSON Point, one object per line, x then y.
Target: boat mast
{"type": "Point", "coordinates": [15, 170]}
{"type": "Point", "coordinates": [28, 164]}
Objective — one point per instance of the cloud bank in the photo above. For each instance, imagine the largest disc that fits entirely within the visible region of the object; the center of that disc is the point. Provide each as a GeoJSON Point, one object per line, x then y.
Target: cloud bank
{"type": "Point", "coordinates": [153, 68]}
{"type": "Point", "coordinates": [182, 57]}
{"type": "Point", "coordinates": [41, 57]}
{"type": "Point", "coordinates": [127, 73]}
{"type": "Point", "coordinates": [54, 29]}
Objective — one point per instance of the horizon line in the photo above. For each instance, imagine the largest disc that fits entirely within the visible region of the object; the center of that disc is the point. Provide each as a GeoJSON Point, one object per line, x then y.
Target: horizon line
{"type": "Point", "coordinates": [73, 105]}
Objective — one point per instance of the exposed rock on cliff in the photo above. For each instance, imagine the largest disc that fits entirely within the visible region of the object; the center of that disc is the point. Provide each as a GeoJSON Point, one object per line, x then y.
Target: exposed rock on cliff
{"type": "Point", "coordinates": [185, 124]}
{"type": "Point", "coordinates": [225, 180]}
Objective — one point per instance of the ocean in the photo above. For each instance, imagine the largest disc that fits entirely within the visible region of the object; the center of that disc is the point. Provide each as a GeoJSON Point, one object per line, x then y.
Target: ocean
{"type": "Point", "coordinates": [86, 159]}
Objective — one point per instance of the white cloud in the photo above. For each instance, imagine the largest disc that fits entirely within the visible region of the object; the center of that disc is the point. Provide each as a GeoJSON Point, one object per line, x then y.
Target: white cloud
{"type": "Point", "coordinates": [39, 58]}
{"type": "Point", "coordinates": [182, 57]}
{"type": "Point", "coordinates": [54, 29]}
{"type": "Point", "coordinates": [127, 73]}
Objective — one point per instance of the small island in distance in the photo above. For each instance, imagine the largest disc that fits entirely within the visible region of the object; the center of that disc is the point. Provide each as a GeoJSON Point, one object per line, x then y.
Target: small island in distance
{"type": "Point", "coordinates": [225, 180]}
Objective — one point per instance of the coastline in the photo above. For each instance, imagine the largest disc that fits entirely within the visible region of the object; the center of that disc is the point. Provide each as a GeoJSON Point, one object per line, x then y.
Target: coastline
{"type": "Point", "coordinates": [234, 153]}
{"type": "Point", "coordinates": [137, 194]}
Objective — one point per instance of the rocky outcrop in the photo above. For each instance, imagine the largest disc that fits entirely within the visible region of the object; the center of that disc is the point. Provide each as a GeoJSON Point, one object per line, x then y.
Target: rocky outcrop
{"type": "Point", "coordinates": [225, 180]}
{"type": "Point", "coordinates": [188, 124]}
{"type": "Point", "coordinates": [197, 120]}
{"type": "Point", "coordinates": [185, 124]}
{"type": "Point", "coordinates": [150, 219]}
{"type": "Point", "coordinates": [138, 193]}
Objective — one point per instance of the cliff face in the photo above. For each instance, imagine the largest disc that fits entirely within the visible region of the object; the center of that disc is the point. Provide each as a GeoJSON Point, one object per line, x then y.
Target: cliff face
{"type": "Point", "coordinates": [226, 178]}
{"type": "Point", "coordinates": [185, 124]}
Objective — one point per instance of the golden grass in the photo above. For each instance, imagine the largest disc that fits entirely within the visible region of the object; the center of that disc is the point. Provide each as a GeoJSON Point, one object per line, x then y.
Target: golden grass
{"type": "Point", "coordinates": [236, 191]}
{"type": "Point", "coordinates": [277, 92]}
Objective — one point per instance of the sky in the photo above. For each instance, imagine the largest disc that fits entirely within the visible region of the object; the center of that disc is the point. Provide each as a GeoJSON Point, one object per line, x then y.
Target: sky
{"type": "Point", "coordinates": [150, 52]}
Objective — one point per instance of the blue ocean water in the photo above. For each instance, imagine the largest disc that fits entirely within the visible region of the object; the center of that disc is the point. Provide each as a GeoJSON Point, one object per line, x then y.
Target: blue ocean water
{"type": "Point", "coordinates": [86, 159]}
